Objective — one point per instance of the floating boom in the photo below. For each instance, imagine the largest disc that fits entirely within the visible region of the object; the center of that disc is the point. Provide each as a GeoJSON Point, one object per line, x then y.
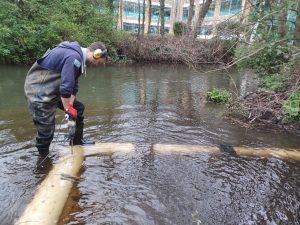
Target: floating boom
{"type": "Point", "coordinates": [52, 194]}
{"type": "Point", "coordinates": [286, 154]}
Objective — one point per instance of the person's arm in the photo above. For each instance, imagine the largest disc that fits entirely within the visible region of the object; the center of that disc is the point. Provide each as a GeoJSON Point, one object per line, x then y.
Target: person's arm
{"type": "Point", "coordinates": [72, 99]}
{"type": "Point", "coordinates": [68, 86]}
{"type": "Point", "coordinates": [68, 106]}
{"type": "Point", "coordinates": [67, 102]}
{"type": "Point", "coordinates": [69, 83]}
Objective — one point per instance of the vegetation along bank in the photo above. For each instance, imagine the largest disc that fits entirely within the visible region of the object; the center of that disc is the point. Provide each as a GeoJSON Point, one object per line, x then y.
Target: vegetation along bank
{"type": "Point", "coordinates": [272, 50]}
{"type": "Point", "coordinates": [264, 38]}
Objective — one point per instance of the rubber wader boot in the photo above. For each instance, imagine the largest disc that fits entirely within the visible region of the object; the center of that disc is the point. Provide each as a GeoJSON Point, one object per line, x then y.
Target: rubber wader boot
{"type": "Point", "coordinates": [78, 137]}
{"type": "Point", "coordinates": [43, 151]}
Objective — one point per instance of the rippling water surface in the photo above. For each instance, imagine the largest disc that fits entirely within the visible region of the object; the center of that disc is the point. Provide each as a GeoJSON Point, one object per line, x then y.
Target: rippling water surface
{"type": "Point", "coordinates": [147, 105]}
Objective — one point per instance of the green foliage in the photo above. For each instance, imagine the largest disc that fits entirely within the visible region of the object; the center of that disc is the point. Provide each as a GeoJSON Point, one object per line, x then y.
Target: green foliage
{"type": "Point", "coordinates": [218, 95]}
{"type": "Point", "coordinates": [229, 48]}
{"type": "Point", "coordinates": [180, 28]}
{"type": "Point", "coordinates": [273, 82]}
{"type": "Point", "coordinates": [291, 108]}
{"type": "Point", "coordinates": [29, 28]}
{"type": "Point", "coordinates": [273, 18]}
{"type": "Point", "coordinates": [269, 57]}
{"type": "Point", "coordinates": [229, 31]}
{"type": "Point", "coordinates": [270, 44]}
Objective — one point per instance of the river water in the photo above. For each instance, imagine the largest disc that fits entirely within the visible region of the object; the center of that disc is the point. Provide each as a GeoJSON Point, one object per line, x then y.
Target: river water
{"type": "Point", "coordinates": [147, 105]}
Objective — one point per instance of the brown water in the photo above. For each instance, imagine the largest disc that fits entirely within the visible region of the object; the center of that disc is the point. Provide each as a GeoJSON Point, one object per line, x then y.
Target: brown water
{"type": "Point", "coordinates": [145, 105]}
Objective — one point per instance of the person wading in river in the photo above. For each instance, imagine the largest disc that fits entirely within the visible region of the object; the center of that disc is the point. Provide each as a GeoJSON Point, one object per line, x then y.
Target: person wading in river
{"type": "Point", "coordinates": [52, 82]}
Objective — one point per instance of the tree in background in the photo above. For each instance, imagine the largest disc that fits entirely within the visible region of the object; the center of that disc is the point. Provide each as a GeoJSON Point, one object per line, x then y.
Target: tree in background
{"type": "Point", "coordinates": [272, 28]}
{"type": "Point", "coordinates": [144, 17]}
{"type": "Point", "coordinates": [162, 17]}
{"type": "Point", "coordinates": [139, 18]}
{"type": "Point", "coordinates": [297, 27]}
{"type": "Point", "coordinates": [28, 28]}
{"type": "Point", "coordinates": [149, 16]}
{"type": "Point", "coordinates": [120, 14]}
{"type": "Point", "coordinates": [202, 13]}
{"type": "Point", "coordinates": [191, 14]}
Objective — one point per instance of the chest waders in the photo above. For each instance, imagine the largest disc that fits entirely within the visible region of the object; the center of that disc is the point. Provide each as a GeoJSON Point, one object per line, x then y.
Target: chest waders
{"type": "Point", "coordinates": [43, 96]}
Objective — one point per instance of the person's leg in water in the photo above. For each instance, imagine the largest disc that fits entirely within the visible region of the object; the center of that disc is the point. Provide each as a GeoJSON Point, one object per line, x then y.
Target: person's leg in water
{"type": "Point", "coordinates": [43, 115]}
{"type": "Point", "coordinates": [78, 137]}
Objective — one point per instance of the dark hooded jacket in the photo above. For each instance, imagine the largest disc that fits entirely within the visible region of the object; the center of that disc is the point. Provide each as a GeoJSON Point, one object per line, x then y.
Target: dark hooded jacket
{"type": "Point", "coordinates": [66, 59]}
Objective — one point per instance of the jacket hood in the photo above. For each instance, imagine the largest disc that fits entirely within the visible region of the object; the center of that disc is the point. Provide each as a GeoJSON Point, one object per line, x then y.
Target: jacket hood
{"type": "Point", "coordinates": [72, 45]}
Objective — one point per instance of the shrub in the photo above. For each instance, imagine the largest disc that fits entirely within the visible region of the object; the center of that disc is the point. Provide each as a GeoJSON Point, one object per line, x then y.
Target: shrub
{"type": "Point", "coordinates": [273, 82]}
{"type": "Point", "coordinates": [180, 28]}
{"type": "Point", "coordinates": [229, 29]}
{"type": "Point", "coordinates": [29, 28]}
{"type": "Point", "coordinates": [218, 95]}
{"type": "Point", "coordinates": [291, 108]}
{"type": "Point", "coordinates": [268, 59]}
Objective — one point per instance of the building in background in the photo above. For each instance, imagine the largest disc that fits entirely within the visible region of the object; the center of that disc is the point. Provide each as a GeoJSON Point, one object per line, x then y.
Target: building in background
{"type": "Point", "coordinates": [177, 11]}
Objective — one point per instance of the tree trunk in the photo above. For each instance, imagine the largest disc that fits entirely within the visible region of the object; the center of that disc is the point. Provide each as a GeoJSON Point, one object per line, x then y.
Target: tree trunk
{"type": "Point", "coordinates": [149, 16]}
{"type": "Point", "coordinates": [139, 19]}
{"type": "Point", "coordinates": [143, 23]}
{"type": "Point", "coordinates": [191, 12]}
{"type": "Point", "coordinates": [203, 11]}
{"type": "Point", "coordinates": [173, 14]}
{"type": "Point", "coordinates": [162, 17]}
{"type": "Point", "coordinates": [297, 28]}
{"type": "Point", "coordinates": [120, 16]}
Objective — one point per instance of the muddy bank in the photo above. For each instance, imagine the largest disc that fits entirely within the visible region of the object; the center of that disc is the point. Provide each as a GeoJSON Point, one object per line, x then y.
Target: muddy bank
{"type": "Point", "coordinates": [262, 108]}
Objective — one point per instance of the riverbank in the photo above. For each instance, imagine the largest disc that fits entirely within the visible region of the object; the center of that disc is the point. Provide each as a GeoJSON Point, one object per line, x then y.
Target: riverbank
{"type": "Point", "coordinates": [175, 49]}
{"type": "Point", "coordinates": [273, 109]}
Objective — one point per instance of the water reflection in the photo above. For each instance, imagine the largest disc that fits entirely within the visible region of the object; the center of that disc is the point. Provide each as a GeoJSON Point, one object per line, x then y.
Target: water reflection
{"type": "Point", "coordinates": [146, 105]}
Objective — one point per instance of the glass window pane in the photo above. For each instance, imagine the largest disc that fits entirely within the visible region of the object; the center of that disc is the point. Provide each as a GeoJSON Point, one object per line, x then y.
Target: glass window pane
{"type": "Point", "coordinates": [229, 7]}
{"type": "Point", "coordinates": [185, 14]}
{"type": "Point", "coordinates": [131, 9]}
{"type": "Point", "coordinates": [225, 7]}
{"type": "Point", "coordinates": [235, 6]}
{"type": "Point", "coordinates": [167, 13]}
{"type": "Point", "coordinates": [154, 12]}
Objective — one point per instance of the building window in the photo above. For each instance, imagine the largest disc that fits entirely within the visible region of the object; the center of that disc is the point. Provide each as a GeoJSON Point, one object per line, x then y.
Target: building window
{"type": "Point", "coordinates": [185, 15]}
{"type": "Point", "coordinates": [167, 13]}
{"type": "Point", "coordinates": [131, 9]}
{"type": "Point", "coordinates": [205, 29]}
{"type": "Point", "coordinates": [155, 12]}
{"type": "Point", "coordinates": [131, 27]}
{"type": "Point", "coordinates": [116, 6]}
{"type": "Point", "coordinates": [211, 10]}
{"type": "Point", "coordinates": [155, 29]}
{"type": "Point", "coordinates": [229, 7]}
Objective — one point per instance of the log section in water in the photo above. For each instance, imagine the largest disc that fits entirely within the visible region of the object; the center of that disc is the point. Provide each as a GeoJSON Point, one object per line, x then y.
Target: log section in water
{"type": "Point", "coordinates": [51, 196]}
